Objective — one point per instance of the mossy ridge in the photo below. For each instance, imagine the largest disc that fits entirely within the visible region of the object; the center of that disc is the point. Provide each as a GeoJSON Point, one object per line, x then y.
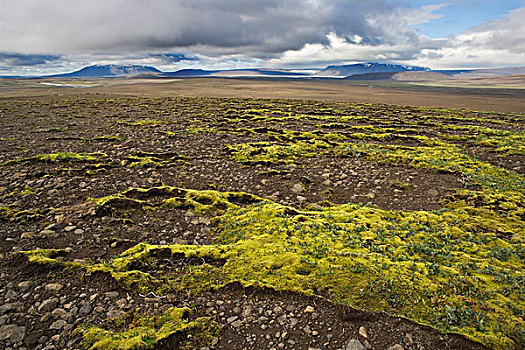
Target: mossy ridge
{"type": "Point", "coordinates": [60, 157]}
{"type": "Point", "coordinates": [143, 122]}
{"type": "Point", "coordinates": [8, 213]}
{"type": "Point", "coordinates": [168, 197]}
{"type": "Point", "coordinates": [150, 332]}
{"type": "Point", "coordinates": [266, 152]}
{"type": "Point", "coordinates": [435, 155]}
{"type": "Point", "coordinates": [446, 158]}
{"type": "Point", "coordinates": [447, 268]}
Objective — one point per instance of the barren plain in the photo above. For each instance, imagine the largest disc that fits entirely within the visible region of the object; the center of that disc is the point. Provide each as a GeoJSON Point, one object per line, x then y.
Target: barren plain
{"type": "Point", "coordinates": [256, 214]}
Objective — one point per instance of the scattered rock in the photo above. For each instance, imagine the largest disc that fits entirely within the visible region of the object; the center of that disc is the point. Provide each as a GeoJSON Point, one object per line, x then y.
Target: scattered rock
{"type": "Point", "coordinates": [54, 287]}
{"type": "Point", "coordinates": [362, 332]}
{"type": "Point", "coordinates": [12, 332]}
{"type": "Point", "coordinates": [297, 188]}
{"type": "Point", "coordinates": [396, 347]}
{"type": "Point", "coordinates": [28, 234]}
{"type": "Point", "coordinates": [48, 305]}
{"type": "Point", "coordinates": [58, 324]}
{"type": "Point", "coordinates": [309, 309]}
{"type": "Point", "coordinates": [354, 344]}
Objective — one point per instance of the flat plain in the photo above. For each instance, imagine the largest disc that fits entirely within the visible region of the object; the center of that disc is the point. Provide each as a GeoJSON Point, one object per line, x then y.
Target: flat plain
{"type": "Point", "coordinates": [261, 214]}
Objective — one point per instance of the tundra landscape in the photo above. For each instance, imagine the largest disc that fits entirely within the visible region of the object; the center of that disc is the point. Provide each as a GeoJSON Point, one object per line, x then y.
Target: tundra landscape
{"type": "Point", "coordinates": [195, 222]}
{"type": "Point", "coordinates": [262, 175]}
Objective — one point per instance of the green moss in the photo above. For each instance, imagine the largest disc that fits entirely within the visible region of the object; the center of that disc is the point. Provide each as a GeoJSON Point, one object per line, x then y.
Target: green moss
{"type": "Point", "coordinates": [172, 328]}
{"type": "Point", "coordinates": [457, 269]}
{"type": "Point", "coordinates": [144, 122]}
{"type": "Point", "coordinates": [53, 130]}
{"type": "Point", "coordinates": [265, 152]}
{"type": "Point", "coordinates": [60, 157]}
{"type": "Point", "coordinates": [8, 213]}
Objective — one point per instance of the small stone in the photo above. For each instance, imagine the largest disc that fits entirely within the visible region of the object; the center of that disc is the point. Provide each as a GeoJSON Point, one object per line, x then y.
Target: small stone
{"type": "Point", "coordinates": [297, 188]}
{"type": "Point", "coordinates": [237, 323]}
{"type": "Point", "coordinates": [47, 233]}
{"type": "Point", "coordinates": [354, 344]}
{"type": "Point", "coordinates": [28, 234]}
{"type": "Point", "coordinates": [362, 332]}
{"type": "Point", "coordinates": [112, 295]}
{"type": "Point", "coordinates": [60, 313]}
{"type": "Point", "coordinates": [301, 199]}
{"type": "Point", "coordinates": [232, 319]}
{"type": "Point", "coordinates": [58, 324]}
{"type": "Point", "coordinates": [12, 332]}
{"type": "Point", "coordinates": [409, 339]}
{"type": "Point", "coordinates": [314, 333]}
{"type": "Point", "coordinates": [43, 339]}
{"type": "Point", "coordinates": [45, 317]}
{"type": "Point", "coordinates": [53, 287]}
{"type": "Point", "coordinates": [69, 228]}
{"type": "Point", "coordinates": [396, 347]}
{"type": "Point", "coordinates": [86, 309]}
{"type": "Point", "coordinates": [433, 192]}
{"type": "Point", "coordinates": [48, 304]}
{"type": "Point", "coordinates": [79, 231]}
{"type": "Point", "coordinates": [247, 311]}
{"type": "Point", "coordinates": [309, 309]}
{"type": "Point", "coordinates": [115, 314]}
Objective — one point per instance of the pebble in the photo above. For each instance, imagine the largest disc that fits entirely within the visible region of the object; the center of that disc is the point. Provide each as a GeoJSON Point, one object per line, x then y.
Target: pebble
{"type": "Point", "coordinates": [396, 347]}
{"type": "Point", "coordinates": [53, 287]}
{"type": "Point", "coordinates": [362, 332]}
{"type": "Point", "coordinates": [309, 309]}
{"type": "Point", "coordinates": [48, 304]}
{"type": "Point", "coordinates": [47, 233]}
{"type": "Point", "coordinates": [297, 188]}
{"type": "Point", "coordinates": [354, 344]}
{"type": "Point", "coordinates": [12, 332]}
{"type": "Point", "coordinates": [58, 324]}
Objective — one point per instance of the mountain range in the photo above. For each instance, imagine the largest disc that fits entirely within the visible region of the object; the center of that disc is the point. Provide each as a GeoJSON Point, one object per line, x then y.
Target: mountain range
{"type": "Point", "coordinates": [367, 68]}
{"type": "Point", "coordinates": [359, 71]}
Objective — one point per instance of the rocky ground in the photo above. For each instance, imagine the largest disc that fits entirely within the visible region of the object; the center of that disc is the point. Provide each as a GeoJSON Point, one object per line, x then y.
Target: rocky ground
{"type": "Point", "coordinates": [58, 152]}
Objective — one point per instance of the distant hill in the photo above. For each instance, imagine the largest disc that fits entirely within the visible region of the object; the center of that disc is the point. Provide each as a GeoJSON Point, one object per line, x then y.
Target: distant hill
{"type": "Point", "coordinates": [233, 73]}
{"type": "Point", "coordinates": [365, 68]}
{"type": "Point", "coordinates": [400, 76]}
{"type": "Point", "coordinates": [109, 71]}
{"type": "Point", "coordinates": [484, 73]}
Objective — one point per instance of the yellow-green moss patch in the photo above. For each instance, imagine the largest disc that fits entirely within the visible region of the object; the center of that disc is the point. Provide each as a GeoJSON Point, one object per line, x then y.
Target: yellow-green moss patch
{"type": "Point", "coordinates": [173, 328]}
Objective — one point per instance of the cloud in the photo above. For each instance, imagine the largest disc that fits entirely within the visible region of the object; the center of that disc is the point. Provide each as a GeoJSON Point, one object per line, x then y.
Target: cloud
{"type": "Point", "coordinates": [494, 43]}
{"type": "Point", "coordinates": [63, 35]}
{"type": "Point", "coordinates": [25, 60]}
{"type": "Point", "coordinates": [212, 27]}
{"type": "Point", "coordinates": [175, 57]}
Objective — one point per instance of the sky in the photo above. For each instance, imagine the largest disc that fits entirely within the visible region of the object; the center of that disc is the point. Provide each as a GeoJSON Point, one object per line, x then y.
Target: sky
{"type": "Point", "coordinates": [56, 36]}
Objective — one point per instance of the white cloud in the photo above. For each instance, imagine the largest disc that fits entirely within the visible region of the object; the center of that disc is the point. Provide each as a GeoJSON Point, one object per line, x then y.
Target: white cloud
{"type": "Point", "coordinates": [495, 43]}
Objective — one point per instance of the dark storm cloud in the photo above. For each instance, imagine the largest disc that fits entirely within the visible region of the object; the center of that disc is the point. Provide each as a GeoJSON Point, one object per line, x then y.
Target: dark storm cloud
{"type": "Point", "coordinates": [26, 60]}
{"type": "Point", "coordinates": [175, 57]}
{"type": "Point", "coordinates": [255, 28]}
